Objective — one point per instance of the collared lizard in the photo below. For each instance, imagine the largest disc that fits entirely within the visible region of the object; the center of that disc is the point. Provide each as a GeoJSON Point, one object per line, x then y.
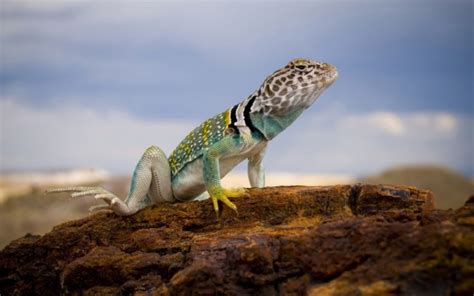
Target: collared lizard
{"type": "Point", "coordinates": [216, 146]}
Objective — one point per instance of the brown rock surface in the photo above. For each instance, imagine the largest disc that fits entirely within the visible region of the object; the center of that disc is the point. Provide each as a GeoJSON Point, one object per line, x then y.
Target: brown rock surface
{"type": "Point", "coordinates": [337, 240]}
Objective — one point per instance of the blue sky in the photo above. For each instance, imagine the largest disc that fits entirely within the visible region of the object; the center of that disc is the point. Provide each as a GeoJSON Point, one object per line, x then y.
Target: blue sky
{"type": "Point", "coordinates": [132, 74]}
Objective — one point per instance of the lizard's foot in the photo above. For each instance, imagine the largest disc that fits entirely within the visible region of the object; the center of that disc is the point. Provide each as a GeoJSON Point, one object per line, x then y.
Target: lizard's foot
{"type": "Point", "coordinates": [97, 192]}
{"type": "Point", "coordinates": [222, 195]}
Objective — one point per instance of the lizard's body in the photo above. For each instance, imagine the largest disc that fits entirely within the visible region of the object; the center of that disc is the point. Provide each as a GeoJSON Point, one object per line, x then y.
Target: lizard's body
{"type": "Point", "coordinates": [220, 143]}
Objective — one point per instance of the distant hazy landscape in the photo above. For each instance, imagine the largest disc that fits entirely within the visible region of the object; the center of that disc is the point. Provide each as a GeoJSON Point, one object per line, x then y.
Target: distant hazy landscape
{"type": "Point", "coordinates": [450, 188]}
{"type": "Point", "coordinates": [25, 209]}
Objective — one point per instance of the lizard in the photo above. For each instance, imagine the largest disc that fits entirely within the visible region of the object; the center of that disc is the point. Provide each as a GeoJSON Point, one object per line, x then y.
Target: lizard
{"type": "Point", "coordinates": [215, 147]}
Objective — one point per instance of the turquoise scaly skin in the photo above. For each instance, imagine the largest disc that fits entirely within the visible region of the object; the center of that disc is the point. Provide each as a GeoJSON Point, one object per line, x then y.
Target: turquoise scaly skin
{"type": "Point", "coordinates": [220, 143]}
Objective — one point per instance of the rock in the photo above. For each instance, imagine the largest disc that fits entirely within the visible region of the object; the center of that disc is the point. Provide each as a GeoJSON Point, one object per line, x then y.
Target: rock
{"type": "Point", "coordinates": [341, 240]}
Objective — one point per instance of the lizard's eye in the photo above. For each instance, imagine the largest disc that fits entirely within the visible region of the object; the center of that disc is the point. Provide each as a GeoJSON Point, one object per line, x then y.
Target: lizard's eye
{"type": "Point", "coordinates": [304, 68]}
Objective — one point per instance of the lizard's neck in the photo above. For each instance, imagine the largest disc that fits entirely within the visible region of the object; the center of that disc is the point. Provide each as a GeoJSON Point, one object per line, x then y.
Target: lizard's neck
{"type": "Point", "coordinates": [256, 113]}
{"type": "Point", "coordinates": [271, 125]}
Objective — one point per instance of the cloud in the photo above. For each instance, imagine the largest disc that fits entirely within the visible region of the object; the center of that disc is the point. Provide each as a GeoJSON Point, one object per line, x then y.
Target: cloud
{"type": "Point", "coordinates": [445, 123]}
{"type": "Point", "coordinates": [326, 140]}
{"type": "Point", "coordinates": [77, 136]}
{"type": "Point", "coordinates": [207, 53]}
{"type": "Point", "coordinates": [387, 122]}
{"type": "Point", "coordinates": [335, 139]}
{"type": "Point", "coordinates": [208, 29]}
{"type": "Point", "coordinates": [438, 124]}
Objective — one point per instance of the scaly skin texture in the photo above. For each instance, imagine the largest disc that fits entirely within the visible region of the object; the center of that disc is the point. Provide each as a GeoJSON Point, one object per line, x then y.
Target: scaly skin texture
{"type": "Point", "coordinates": [212, 149]}
{"type": "Point", "coordinates": [198, 140]}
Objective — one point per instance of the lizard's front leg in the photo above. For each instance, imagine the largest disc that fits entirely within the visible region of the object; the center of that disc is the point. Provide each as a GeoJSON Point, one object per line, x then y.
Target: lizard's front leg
{"type": "Point", "coordinates": [256, 172]}
{"type": "Point", "coordinates": [211, 171]}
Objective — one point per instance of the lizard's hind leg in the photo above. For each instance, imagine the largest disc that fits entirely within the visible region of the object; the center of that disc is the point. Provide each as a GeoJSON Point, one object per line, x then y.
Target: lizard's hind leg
{"type": "Point", "coordinates": [151, 182]}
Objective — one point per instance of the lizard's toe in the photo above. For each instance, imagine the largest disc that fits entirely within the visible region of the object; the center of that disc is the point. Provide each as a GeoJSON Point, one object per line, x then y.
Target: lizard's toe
{"type": "Point", "coordinates": [99, 208]}
{"type": "Point", "coordinates": [223, 195]}
{"type": "Point", "coordinates": [85, 193]}
{"type": "Point", "coordinates": [228, 203]}
{"type": "Point", "coordinates": [235, 192]}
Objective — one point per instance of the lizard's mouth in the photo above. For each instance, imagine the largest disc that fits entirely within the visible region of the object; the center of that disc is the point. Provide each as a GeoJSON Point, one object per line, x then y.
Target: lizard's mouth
{"type": "Point", "coordinates": [331, 76]}
{"type": "Point", "coordinates": [332, 73]}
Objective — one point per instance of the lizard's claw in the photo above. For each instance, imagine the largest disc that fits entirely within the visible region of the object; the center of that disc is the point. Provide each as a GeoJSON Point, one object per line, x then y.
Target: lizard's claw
{"type": "Point", "coordinates": [97, 192]}
{"type": "Point", "coordinates": [222, 194]}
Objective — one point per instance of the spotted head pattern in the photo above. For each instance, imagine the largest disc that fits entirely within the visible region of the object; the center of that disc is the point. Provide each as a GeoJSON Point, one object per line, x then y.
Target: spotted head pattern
{"type": "Point", "coordinates": [297, 84]}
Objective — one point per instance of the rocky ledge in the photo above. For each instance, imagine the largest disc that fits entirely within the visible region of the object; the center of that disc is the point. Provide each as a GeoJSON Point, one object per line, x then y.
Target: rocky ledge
{"type": "Point", "coordinates": [337, 240]}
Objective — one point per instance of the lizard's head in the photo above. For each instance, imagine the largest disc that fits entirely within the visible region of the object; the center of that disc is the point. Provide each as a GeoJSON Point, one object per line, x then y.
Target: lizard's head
{"type": "Point", "coordinates": [297, 84]}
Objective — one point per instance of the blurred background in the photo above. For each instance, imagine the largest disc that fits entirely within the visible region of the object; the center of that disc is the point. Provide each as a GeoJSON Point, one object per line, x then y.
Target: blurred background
{"type": "Point", "coordinates": [86, 86]}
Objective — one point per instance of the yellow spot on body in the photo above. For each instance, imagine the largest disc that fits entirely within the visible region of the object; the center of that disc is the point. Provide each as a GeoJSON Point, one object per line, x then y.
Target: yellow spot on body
{"type": "Point", "coordinates": [205, 130]}
{"type": "Point", "coordinates": [227, 117]}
